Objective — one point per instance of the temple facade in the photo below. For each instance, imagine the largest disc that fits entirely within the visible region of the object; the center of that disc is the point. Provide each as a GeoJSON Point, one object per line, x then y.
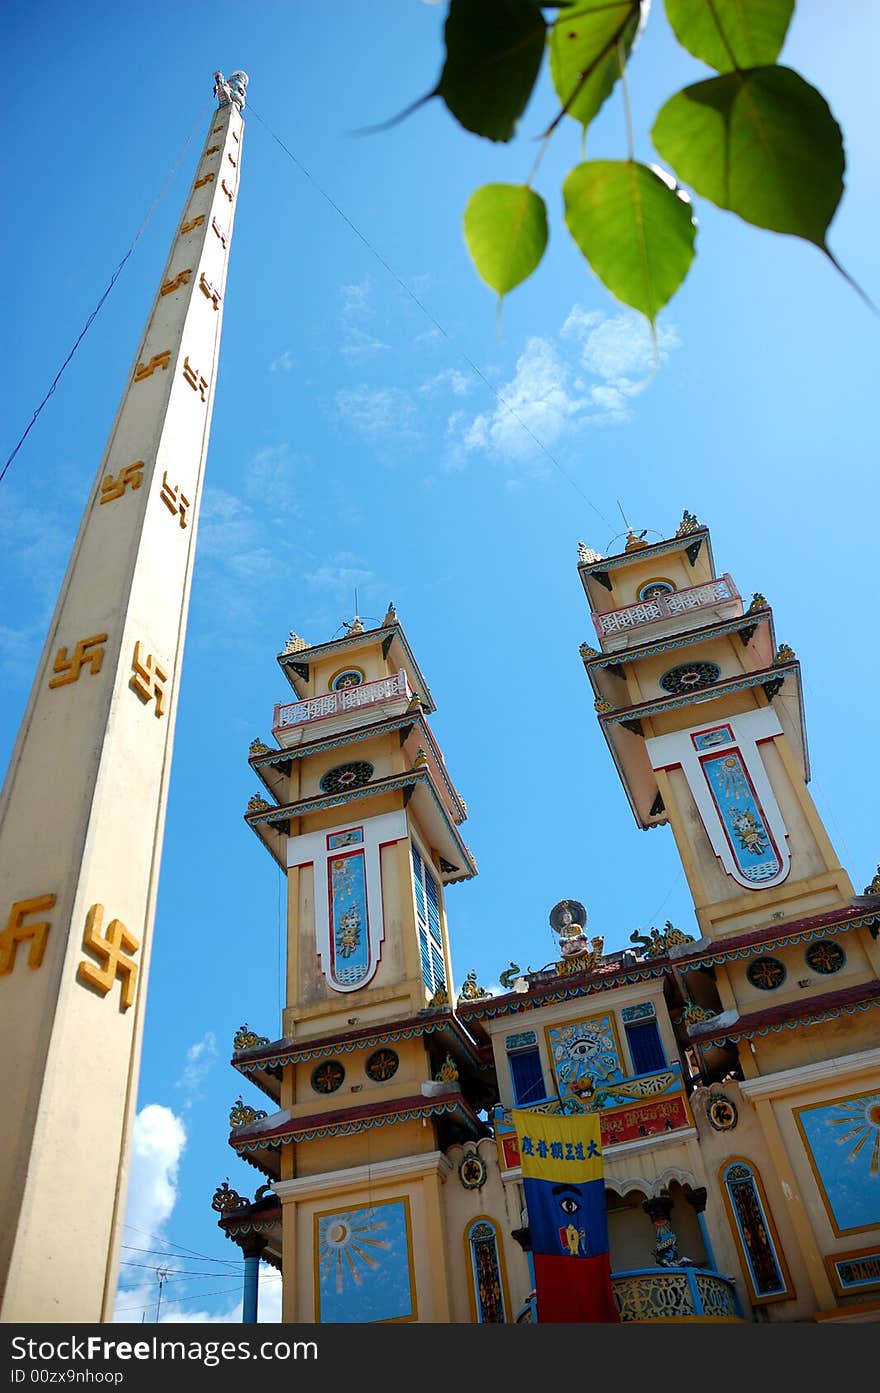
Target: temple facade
{"type": "Point", "coordinates": [735, 1069]}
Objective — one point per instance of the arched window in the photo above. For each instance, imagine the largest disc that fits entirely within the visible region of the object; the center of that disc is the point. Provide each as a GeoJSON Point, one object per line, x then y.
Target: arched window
{"type": "Point", "coordinates": [487, 1272]}
{"type": "Point", "coordinates": [755, 1232]}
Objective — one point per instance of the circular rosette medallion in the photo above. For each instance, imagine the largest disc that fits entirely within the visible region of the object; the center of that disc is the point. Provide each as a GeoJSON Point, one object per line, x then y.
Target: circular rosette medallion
{"type": "Point", "coordinates": [345, 776]}
{"type": "Point", "coordinates": [766, 974]}
{"type": "Point", "coordinates": [328, 1077]}
{"type": "Point", "coordinates": [381, 1066]}
{"type": "Point", "coordinates": [472, 1172]}
{"type": "Point", "coordinates": [690, 677]}
{"type": "Point", "coordinates": [825, 957]}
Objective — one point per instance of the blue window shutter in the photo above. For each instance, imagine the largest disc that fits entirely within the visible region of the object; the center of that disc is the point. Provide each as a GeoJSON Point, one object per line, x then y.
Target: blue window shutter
{"type": "Point", "coordinates": [646, 1047]}
{"type": "Point", "coordinates": [527, 1076]}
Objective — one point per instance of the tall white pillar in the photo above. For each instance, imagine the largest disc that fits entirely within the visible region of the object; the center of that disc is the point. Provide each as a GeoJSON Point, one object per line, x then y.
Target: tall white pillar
{"type": "Point", "coordinates": [83, 806]}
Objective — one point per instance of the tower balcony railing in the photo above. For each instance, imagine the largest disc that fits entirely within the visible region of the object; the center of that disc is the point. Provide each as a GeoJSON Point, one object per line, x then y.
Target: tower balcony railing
{"type": "Point", "coordinates": [655, 1294]}
{"type": "Point", "coordinates": [620, 622]}
{"type": "Point", "coordinates": [289, 718]}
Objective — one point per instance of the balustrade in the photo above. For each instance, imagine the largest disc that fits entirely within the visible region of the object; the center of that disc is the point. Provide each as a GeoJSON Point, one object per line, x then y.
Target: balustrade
{"type": "Point", "coordinates": [671, 606]}
{"type": "Point", "coordinates": [297, 713]}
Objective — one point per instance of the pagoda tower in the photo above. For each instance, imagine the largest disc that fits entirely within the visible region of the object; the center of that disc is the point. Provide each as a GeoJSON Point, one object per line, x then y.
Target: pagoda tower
{"type": "Point", "coordinates": [374, 1076]}
{"type": "Point", "coordinates": [702, 710]}
{"type": "Point", "coordinates": [83, 805]}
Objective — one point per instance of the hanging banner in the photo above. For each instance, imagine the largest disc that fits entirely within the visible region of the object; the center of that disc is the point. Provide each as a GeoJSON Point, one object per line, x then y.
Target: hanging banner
{"type": "Point", "coordinates": [564, 1185]}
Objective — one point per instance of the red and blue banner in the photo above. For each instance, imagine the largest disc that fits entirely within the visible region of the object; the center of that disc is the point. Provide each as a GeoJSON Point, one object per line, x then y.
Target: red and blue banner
{"type": "Point", "coordinates": [564, 1183]}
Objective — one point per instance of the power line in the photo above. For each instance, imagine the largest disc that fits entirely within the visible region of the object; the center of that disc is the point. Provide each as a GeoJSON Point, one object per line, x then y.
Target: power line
{"type": "Point", "coordinates": [163, 1253]}
{"type": "Point", "coordinates": [159, 1238]}
{"type": "Point", "coordinates": [110, 284]}
{"type": "Point", "coordinates": [195, 1296]}
{"type": "Point", "coordinates": [433, 320]}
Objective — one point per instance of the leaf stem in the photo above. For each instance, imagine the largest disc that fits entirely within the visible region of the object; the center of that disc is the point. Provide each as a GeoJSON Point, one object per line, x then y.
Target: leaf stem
{"type": "Point", "coordinates": [626, 107]}
{"type": "Point", "coordinates": [588, 71]}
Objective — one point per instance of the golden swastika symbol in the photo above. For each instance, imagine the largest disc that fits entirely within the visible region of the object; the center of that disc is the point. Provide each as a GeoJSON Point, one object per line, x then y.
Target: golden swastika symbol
{"type": "Point", "coordinates": [113, 953]}
{"type": "Point", "coordinates": [217, 232]}
{"type": "Point", "coordinates": [217, 130]}
{"type": "Point", "coordinates": [16, 932]}
{"type": "Point", "coordinates": [231, 160]}
{"type": "Point", "coordinates": [207, 288]}
{"type": "Point", "coordinates": [72, 667]}
{"type": "Point", "coordinates": [132, 476]}
{"type": "Point", "coordinates": [205, 179]}
{"type": "Point", "coordinates": [196, 381]}
{"type": "Point", "coordinates": [228, 192]}
{"type": "Point", "coordinates": [148, 679]}
{"type": "Point", "coordinates": [178, 281]}
{"type": "Point", "coordinates": [173, 499]}
{"type": "Point", "coordinates": [193, 223]}
{"type": "Point", "coordinates": [213, 150]}
{"type": "Point", "coordinates": [236, 136]}
{"type": "Point", "coordinates": [158, 360]}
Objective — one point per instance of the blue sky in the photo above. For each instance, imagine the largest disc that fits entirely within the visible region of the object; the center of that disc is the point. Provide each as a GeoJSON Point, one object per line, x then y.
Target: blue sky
{"type": "Point", "coordinates": [354, 445]}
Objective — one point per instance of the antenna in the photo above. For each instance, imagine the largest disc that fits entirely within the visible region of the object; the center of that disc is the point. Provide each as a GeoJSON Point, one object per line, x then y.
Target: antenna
{"type": "Point", "coordinates": [355, 602]}
{"type": "Point", "coordinates": [623, 514]}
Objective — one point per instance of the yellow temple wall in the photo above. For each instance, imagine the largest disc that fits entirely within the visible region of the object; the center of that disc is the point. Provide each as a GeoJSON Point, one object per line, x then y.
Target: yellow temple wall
{"type": "Point", "coordinates": [501, 1205]}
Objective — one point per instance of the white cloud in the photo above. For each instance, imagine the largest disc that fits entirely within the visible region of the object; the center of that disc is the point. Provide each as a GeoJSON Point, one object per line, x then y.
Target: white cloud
{"type": "Point", "coordinates": [285, 362]}
{"type": "Point", "coordinates": [375, 412]}
{"type": "Point", "coordinates": [158, 1143]}
{"type": "Point", "coordinates": [550, 396]}
{"type": "Point", "coordinates": [450, 379]}
{"type": "Point", "coordinates": [536, 403]}
{"type": "Point", "coordinates": [357, 308]}
{"type": "Point", "coordinates": [270, 477]}
{"type": "Point", "coordinates": [200, 1059]}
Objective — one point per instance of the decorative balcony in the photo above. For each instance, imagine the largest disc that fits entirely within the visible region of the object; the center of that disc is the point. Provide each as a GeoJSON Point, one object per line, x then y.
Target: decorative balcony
{"type": "Point", "coordinates": [655, 1294]}
{"type": "Point", "coordinates": [619, 623]}
{"type": "Point", "coordinates": [675, 1293]}
{"type": "Point", "coordinates": [387, 696]}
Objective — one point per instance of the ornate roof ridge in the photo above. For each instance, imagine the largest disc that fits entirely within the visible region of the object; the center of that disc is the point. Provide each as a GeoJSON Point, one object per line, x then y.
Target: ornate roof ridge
{"type": "Point", "coordinates": [788, 1013]}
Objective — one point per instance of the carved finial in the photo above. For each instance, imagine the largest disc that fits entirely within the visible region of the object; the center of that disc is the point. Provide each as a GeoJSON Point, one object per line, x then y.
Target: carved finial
{"type": "Point", "coordinates": [231, 89]}
{"type": "Point", "coordinates": [587, 650]}
{"type": "Point", "coordinates": [694, 1014]}
{"type": "Point", "coordinates": [440, 998]}
{"type": "Point", "coordinates": [256, 747]}
{"type": "Point", "coordinates": [294, 643]}
{"type": "Point", "coordinates": [355, 627]}
{"type": "Point", "coordinates": [390, 615]}
{"type": "Point", "coordinates": [415, 702]}
{"type": "Point", "coordinates": [603, 707]}
{"type": "Point", "coordinates": [247, 1039]}
{"type": "Point", "coordinates": [471, 991]}
{"type": "Point", "coordinates": [241, 1113]}
{"type": "Point", "coordinates": [873, 888]}
{"type": "Point", "coordinates": [687, 525]}
{"type": "Point", "coordinates": [448, 1071]}
{"type": "Point", "coordinates": [509, 976]}
{"type": "Point", "coordinates": [784, 654]}
{"type": "Point", "coordinates": [257, 804]}
{"type": "Point", "coordinates": [421, 758]}
{"type": "Point", "coordinates": [225, 1199]}
{"type": "Point", "coordinates": [586, 555]}
{"type": "Point", "coordinates": [759, 601]}
{"type": "Point", "coordinates": [635, 541]}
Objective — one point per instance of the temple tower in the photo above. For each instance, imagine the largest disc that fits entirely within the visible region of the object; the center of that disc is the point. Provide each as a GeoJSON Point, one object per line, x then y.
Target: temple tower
{"type": "Point", "coordinates": [374, 1077]}
{"type": "Point", "coordinates": [702, 710]}
{"type": "Point", "coordinates": [83, 805]}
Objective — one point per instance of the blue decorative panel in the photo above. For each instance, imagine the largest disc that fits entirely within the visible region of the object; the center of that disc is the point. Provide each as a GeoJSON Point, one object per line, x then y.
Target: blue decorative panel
{"type": "Point", "coordinates": [752, 846]}
{"type": "Point", "coordinates": [585, 1054]}
{"type": "Point", "coordinates": [521, 1040]}
{"type": "Point", "coordinates": [363, 1265]}
{"type": "Point", "coordinates": [637, 1013]}
{"type": "Point", "coordinates": [354, 836]}
{"type": "Point", "coordinates": [842, 1139]}
{"type": "Point", "coordinates": [710, 738]}
{"type": "Point", "coordinates": [349, 924]}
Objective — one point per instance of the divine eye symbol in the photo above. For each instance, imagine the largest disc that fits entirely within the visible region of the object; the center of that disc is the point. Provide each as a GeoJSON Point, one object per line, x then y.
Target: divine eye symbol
{"type": "Point", "coordinates": [569, 1205]}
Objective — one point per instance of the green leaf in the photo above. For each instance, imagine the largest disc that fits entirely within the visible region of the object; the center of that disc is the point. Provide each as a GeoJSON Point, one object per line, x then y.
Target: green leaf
{"type": "Point", "coordinates": [505, 227]}
{"type": "Point", "coordinates": [636, 232]}
{"type": "Point", "coordinates": [762, 143]}
{"type": "Point", "coordinates": [584, 61]}
{"type": "Point", "coordinates": [730, 34]}
{"type": "Point", "coordinates": [493, 53]}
